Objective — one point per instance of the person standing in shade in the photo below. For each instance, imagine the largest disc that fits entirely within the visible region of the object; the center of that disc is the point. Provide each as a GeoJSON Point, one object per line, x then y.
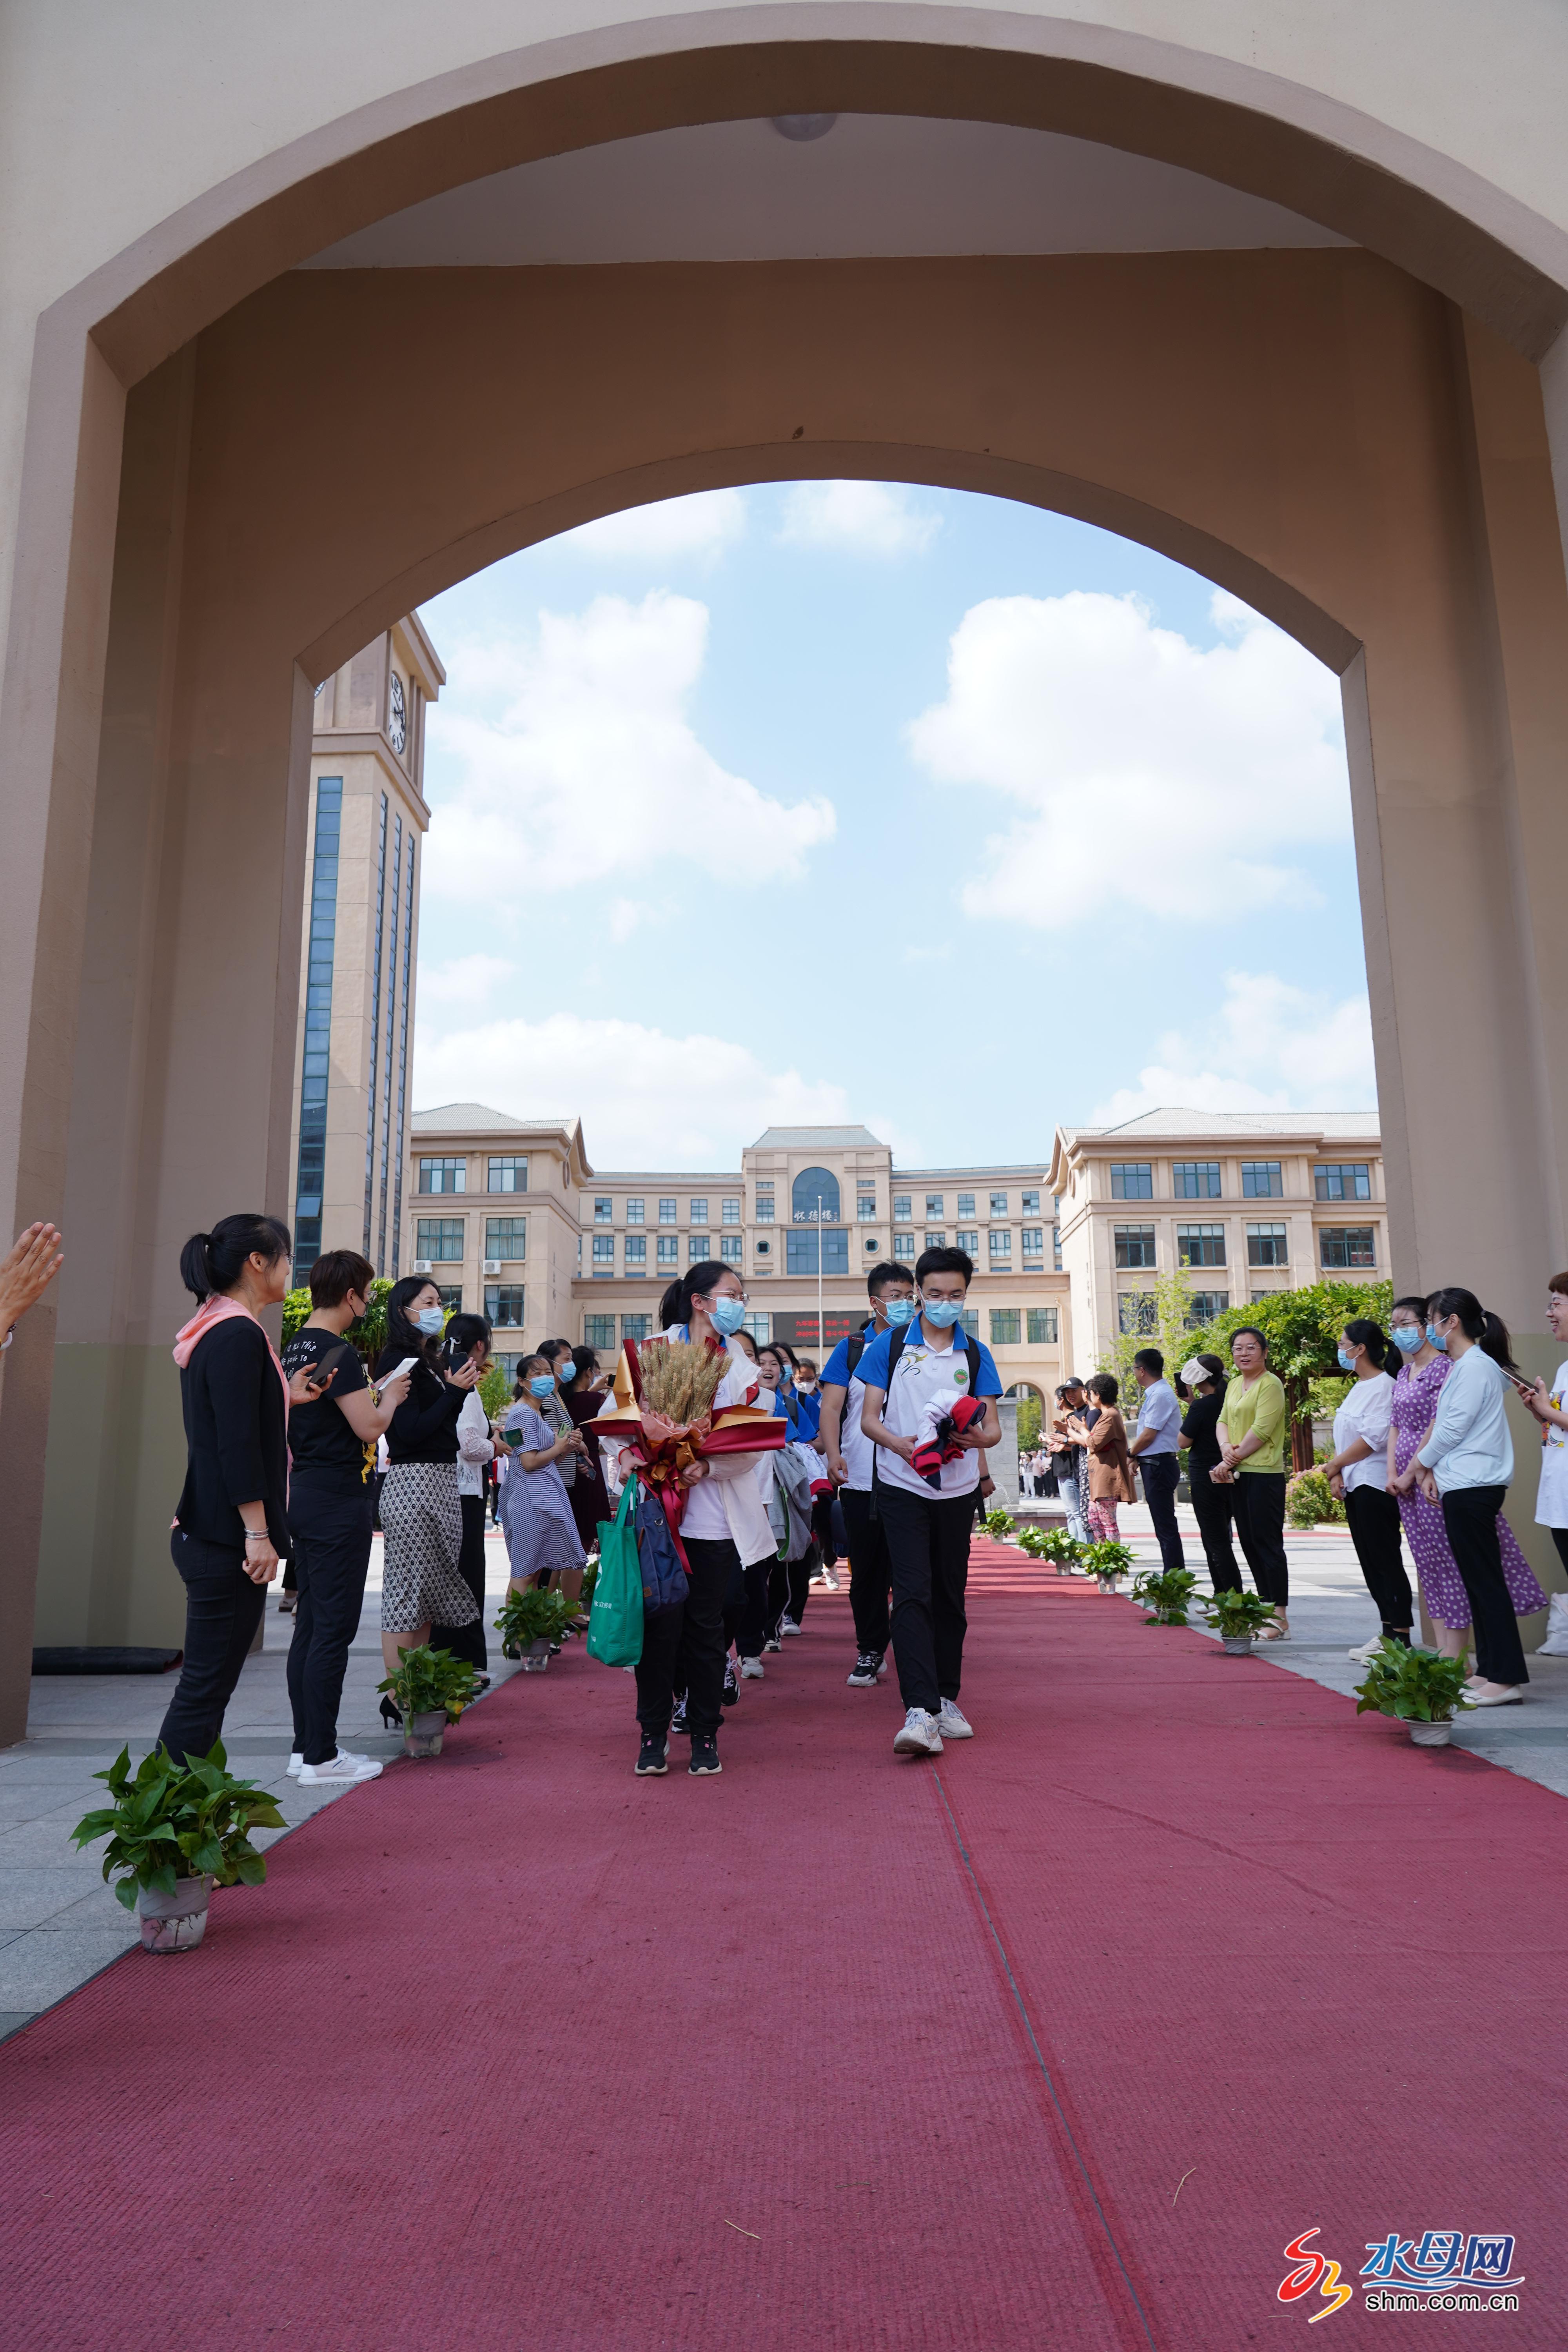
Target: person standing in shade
{"type": "Point", "coordinates": [1202, 1381]}
{"type": "Point", "coordinates": [1466, 1465]}
{"type": "Point", "coordinates": [421, 1515]}
{"type": "Point", "coordinates": [850, 1457]}
{"type": "Point", "coordinates": [470, 1334]}
{"type": "Point", "coordinates": [1252, 1464]}
{"type": "Point", "coordinates": [1357, 1472]}
{"type": "Point", "coordinates": [331, 1509]}
{"type": "Point", "coordinates": [927, 1528]}
{"type": "Point", "coordinates": [1550, 1406]}
{"type": "Point", "coordinates": [1153, 1448]}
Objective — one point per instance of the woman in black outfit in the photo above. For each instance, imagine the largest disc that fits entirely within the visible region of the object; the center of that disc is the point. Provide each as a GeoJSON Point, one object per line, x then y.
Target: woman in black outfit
{"type": "Point", "coordinates": [231, 1525]}
{"type": "Point", "coordinates": [583, 1400]}
{"type": "Point", "coordinates": [422, 1581]}
{"type": "Point", "coordinates": [1201, 1381]}
{"type": "Point", "coordinates": [470, 1335]}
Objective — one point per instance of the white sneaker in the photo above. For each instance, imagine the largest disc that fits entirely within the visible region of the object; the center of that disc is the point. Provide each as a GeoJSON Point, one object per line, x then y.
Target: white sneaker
{"type": "Point", "coordinates": [950, 1724]}
{"type": "Point", "coordinates": [919, 1736]}
{"type": "Point", "coordinates": [297, 1761]}
{"type": "Point", "coordinates": [752, 1670]}
{"type": "Point", "coordinates": [788, 1625]}
{"type": "Point", "coordinates": [294, 1763]}
{"type": "Point", "coordinates": [342, 1771]}
{"type": "Point", "coordinates": [1367, 1651]}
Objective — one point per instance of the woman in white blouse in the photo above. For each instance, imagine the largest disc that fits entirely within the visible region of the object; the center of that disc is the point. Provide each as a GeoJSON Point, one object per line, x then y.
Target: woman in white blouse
{"type": "Point", "coordinates": [1358, 1475]}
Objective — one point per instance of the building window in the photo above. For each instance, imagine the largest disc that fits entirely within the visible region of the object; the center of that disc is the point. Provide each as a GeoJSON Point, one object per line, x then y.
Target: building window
{"type": "Point", "coordinates": [451, 1300]}
{"type": "Point", "coordinates": [311, 1170]}
{"type": "Point", "coordinates": [1346, 1246]}
{"type": "Point", "coordinates": [636, 1326]}
{"type": "Point", "coordinates": [902, 1206]}
{"type": "Point", "coordinates": [1031, 1205]}
{"type": "Point", "coordinates": [933, 1205]}
{"type": "Point", "coordinates": [801, 1250]}
{"type": "Point", "coordinates": [1056, 1248]}
{"type": "Point", "coordinates": [968, 1321]}
{"type": "Point", "coordinates": [760, 1328]}
{"type": "Point", "coordinates": [604, 1255]}
{"type": "Point", "coordinates": [1348, 1180]}
{"type": "Point", "coordinates": [443, 1175]}
{"type": "Point", "coordinates": [765, 1251]}
{"type": "Point", "coordinates": [1034, 1241]}
{"type": "Point", "coordinates": [904, 1248]}
{"type": "Point", "coordinates": [1001, 1243]}
{"type": "Point", "coordinates": [730, 1248]}
{"type": "Point", "coordinates": [764, 1205]}
{"type": "Point", "coordinates": [440, 1239]}
{"type": "Point", "coordinates": [1132, 1179]}
{"type": "Point", "coordinates": [697, 1249]}
{"type": "Point", "coordinates": [503, 1305]}
{"type": "Point", "coordinates": [1005, 1323]}
{"type": "Point", "coordinates": [966, 1204]}
{"type": "Point", "coordinates": [603, 1209]}
{"type": "Point", "coordinates": [1134, 1244]}
{"type": "Point", "coordinates": [1266, 1246]}
{"type": "Point", "coordinates": [1135, 1314]}
{"type": "Point", "coordinates": [729, 1213]}
{"type": "Point", "coordinates": [666, 1211]}
{"type": "Point", "coordinates": [1200, 1245]}
{"type": "Point", "coordinates": [506, 1237]}
{"type": "Point", "coordinates": [1044, 1325]}
{"type": "Point", "coordinates": [1205, 1306]}
{"type": "Point", "coordinates": [936, 1239]}
{"type": "Point", "coordinates": [696, 1215]}
{"type": "Point", "coordinates": [866, 1208]}
{"type": "Point", "coordinates": [636, 1252]}
{"type": "Point", "coordinates": [814, 1198]}
{"type": "Point", "coordinates": [374, 1023]}
{"type": "Point", "coordinates": [506, 1176]}
{"type": "Point", "coordinates": [872, 1245]}
{"type": "Point", "coordinates": [670, 1249]}
{"type": "Point", "coordinates": [967, 1237]}
{"type": "Point", "coordinates": [1262, 1179]}
{"type": "Point", "coordinates": [598, 1331]}
{"type": "Point", "coordinates": [998, 1204]}
{"type": "Point", "coordinates": [1195, 1180]}
{"type": "Point", "coordinates": [634, 1213]}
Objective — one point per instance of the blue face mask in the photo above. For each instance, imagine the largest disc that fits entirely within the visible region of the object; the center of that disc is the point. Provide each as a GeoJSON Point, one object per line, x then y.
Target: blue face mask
{"type": "Point", "coordinates": [900, 1311]}
{"type": "Point", "coordinates": [728, 1315]}
{"type": "Point", "coordinates": [1408, 1336]}
{"type": "Point", "coordinates": [542, 1386]}
{"type": "Point", "coordinates": [431, 1321]}
{"type": "Point", "coordinates": [1433, 1341]}
{"type": "Point", "coordinates": [941, 1312]}
{"type": "Point", "coordinates": [1347, 1363]}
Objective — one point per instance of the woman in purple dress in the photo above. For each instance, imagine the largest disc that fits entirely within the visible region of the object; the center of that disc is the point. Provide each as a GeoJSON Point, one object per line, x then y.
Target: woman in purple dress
{"type": "Point", "coordinates": [1416, 1392]}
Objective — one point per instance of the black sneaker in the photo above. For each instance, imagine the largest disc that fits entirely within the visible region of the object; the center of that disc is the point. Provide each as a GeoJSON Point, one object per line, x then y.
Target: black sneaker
{"type": "Point", "coordinates": [678, 1720]}
{"type": "Point", "coordinates": [732, 1684]}
{"type": "Point", "coordinates": [865, 1669]}
{"type": "Point", "coordinates": [704, 1755]}
{"type": "Point", "coordinates": [653, 1756]}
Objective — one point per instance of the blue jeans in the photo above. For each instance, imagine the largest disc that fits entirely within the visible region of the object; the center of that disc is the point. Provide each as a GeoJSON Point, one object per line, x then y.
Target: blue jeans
{"type": "Point", "coordinates": [1077, 1526]}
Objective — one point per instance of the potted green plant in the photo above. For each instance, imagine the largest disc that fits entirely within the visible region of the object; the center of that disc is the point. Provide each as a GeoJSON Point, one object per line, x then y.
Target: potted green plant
{"type": "Point", "coordinates": [1106, 1560]}
{"type": "Point", "coordinates": [1421, 1687]}
{"type": "Point", "coordinates": [1164, 1590]}
{"type": "Point", "coordinates": [999, 1524]}
{"type": "Point", "coordinates": [530, 1622]}
{"type": "Point", "coordinates": [430, 1690]}
{"type": "Point", "coordinates": [1236, 1617]}
{"type": "Point", "coordinates": [174, 1832]}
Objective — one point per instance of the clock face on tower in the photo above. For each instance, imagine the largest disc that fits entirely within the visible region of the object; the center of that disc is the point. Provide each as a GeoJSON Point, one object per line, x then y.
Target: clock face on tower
{"type": "Point", "coordinates": [397, 717]}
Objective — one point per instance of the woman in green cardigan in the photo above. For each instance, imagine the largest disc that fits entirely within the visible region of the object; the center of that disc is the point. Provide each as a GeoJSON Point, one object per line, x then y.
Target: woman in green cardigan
{"type": "Point", "coordinates": [1252, 1464]}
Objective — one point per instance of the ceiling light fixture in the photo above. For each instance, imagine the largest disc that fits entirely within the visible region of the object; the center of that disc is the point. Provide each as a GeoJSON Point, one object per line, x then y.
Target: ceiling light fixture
{"type": "Point", "coordinates": [802, 127]}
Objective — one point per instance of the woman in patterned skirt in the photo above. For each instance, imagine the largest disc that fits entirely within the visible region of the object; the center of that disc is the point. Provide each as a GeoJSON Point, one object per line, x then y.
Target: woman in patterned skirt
{"type": "Point", "coordinates": [1415, 1393]}
{"type": "Point", "coordinates": [421, 1517]}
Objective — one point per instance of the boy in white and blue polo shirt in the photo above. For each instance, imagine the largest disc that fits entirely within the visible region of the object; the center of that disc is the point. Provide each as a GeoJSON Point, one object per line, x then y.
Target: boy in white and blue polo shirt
{"type": "Point", "coordinates": [927, 1531]}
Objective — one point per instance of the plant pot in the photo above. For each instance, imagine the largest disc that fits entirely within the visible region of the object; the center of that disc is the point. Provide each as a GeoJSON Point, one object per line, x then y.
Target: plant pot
{"type": "Point", "coordinates": [536, 1657]}
{"type": "Point", "coordinates": [1236, 1646]}
{"type": "Point", "coordinates": [421, 1734]}
{"type": "Point", "coordinates": [1431, 1734]}
{"type": "Point", "coordinates": [177, 1922]}
{"type": "Point", "coordinates": [1105, 1583]}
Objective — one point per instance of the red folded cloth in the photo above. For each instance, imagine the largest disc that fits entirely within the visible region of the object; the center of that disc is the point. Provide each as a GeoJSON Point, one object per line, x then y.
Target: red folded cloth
{"type": "Point", "coordinates": [942, 1446]}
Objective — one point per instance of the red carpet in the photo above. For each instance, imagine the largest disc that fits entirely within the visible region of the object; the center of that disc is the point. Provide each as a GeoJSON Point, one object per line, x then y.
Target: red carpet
{"type": "Point", "coordinates": [835, 2051]}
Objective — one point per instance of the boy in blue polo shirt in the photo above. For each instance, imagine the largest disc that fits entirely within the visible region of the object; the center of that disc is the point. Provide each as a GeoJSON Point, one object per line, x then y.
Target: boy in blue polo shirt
{"type": "Point", "coordinates": [927, 1529]}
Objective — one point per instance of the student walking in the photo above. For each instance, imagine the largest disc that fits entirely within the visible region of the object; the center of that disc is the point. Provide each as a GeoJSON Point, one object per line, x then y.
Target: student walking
{"type": "Point", "coordinates": [1110, 1461]}
{"type": "Point", "coordinates": [421, 1517]}
{"type": "Point", "coordinates": [908, 1375]}
{"type": "Point", "coordinates": [1202, 1381]}
{"type": "Point", "coordinates": [331, 1509]}
{"type": "Point", "coordinates": [1252, 1464]}
{"type": "Point", "coordinates": [1153, 1448]}
{"type": "Point", "coordinates": [1358, 1474]}
{"type": "Point", "coordinates": [850, 1457]}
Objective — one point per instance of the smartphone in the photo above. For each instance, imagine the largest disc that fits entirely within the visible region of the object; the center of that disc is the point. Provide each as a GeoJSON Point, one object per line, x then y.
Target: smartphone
{"type": "Point", "coordinates": [398, 1369]}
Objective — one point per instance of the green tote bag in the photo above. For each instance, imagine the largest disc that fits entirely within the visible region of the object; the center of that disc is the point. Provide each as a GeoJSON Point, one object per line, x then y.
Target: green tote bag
{"type": "Point", "coordinates": [614, 1620]}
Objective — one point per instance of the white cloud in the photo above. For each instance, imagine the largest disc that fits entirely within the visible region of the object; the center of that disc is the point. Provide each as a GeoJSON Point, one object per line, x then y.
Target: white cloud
{"type": "Point", "coordinates": [588, 765]}
{"type": "Point", "coordinates": [702, 526]}
{"type": "Point", "coordinates": [857, 519]}
{"type": "Point", "coordinates": [647, 1099]}
{"type": "Point", "coordinates": [1268, 1045]}
{"type": "Point", "coordinates": [1148, 773]}
{"type": "Point", "coordinates": [468, 982]}
{"type": "Point", "coordinates": [626, 914]}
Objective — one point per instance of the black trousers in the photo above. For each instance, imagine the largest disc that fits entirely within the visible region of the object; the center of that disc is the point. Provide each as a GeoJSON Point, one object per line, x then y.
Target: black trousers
{"type": "Point", "coordinates": [869, 1575]}
{"type": "Point", "coordinates": [683, 1649]}
{"type": "Point", "coordinates": [1373, 1516]}
{"type": "Point", "coordinates": [752, 1628]}
{"type": "Point", "coordinates": [332, 1530]}
{"type": "Point", "coordinates": [928, 1560]}
{"type": "Point", "coordinates": [1162, 1474]}
{"type": "Point", "coordinates": [1211, 1507]}
{"type": "Point", "coordinates": [223, 1610]}
{"type": "Point", "coordinates": [467, 1642]}
{"type": "Point", "coordinates": [1258, 1499]}
{"type": "Point", "coordinates": [1469, 1519]}
{"type": "Point", "coordinates": [821, 1528]}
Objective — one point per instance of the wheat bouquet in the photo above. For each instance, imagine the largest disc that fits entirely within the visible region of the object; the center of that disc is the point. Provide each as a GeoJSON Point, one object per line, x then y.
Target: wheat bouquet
{"type": "Point", "coordinates": [679, 1380]}
{"type": "Point", "coordinates": [665, 1417]}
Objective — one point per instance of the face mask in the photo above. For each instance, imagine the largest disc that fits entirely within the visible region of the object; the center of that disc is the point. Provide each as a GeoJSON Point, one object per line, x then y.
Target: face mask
{"type": "Point", "coordinates": [900, 1311]}
{"type": "Point", "coordinates": [1347, 1363]}
{"type": "Point", "coordinates": [431, 1321]}
{"type": "Point", "coordinates": [728, 1314]}
{"type": "Point", "coordinates": [542, 1386]}
{"type": "Point", "coordinates": [1433, 1341]}
{"type": "Point", "coordinates": [941, 1312]}
{"type": "Point", "coordinates": [1408, 1336]}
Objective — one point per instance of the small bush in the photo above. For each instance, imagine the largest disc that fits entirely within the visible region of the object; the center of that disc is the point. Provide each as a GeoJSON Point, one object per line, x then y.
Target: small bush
{"type": "Point", "coordinates": [1308, 1500]}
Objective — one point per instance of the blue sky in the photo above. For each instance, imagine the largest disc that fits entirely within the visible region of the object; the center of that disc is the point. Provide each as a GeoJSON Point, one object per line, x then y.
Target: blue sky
{"type": "Point", "coordinates": [822, 802]}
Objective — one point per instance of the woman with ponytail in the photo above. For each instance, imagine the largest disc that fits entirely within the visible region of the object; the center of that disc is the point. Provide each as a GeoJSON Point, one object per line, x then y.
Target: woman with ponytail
{"type": "Point", "coordinates": [1463, 1469]}
{"type": "Point", "coordinates": [421, 1510]}
{"type": "Point", "coordinates": [1358, 1476]}
{"type": "Point", "coordinates": [231, 1524]}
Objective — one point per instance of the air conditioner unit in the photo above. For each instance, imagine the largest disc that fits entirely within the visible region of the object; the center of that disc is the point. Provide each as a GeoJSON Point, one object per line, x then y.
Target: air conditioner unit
{"type": "Point", "coordinates": [492, 1266]}
{"type": "Point", "coordinates": [423, 1266]}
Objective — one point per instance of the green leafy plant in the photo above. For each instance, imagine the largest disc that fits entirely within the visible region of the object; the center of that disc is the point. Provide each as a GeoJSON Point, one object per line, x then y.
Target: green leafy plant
{"type": "Point", "coordinates": [998, 1524]}
{"type": "Point", "coordinates": [590, 1578]}
{"type": "Point", "coordinates": [1416, 1685]}
{"type": "Point", "coordinates": [431, 1679]}
{"type": "Point", "coordinates": [171, 1821]}
{"type": "Point", "coordinates": [1234, 1614]}
{"type": "Point", "coordinates": [1053, 1544]}
{"type": "Point", "coordinates": [1028, 1423]}
{"type": "Point", "coordinates": [495, 1392]}
{"type": "Point", "coordinates": [1308, 1500]}
{"type": "Point", "coordinates": [1106, 1558]}
{"type": "Point", "coordinates": [368, 1336]}
{"type": "Point", "coordinates": [1165, 1592]}
{"type": "Point", "coordinates": [533, 1614]}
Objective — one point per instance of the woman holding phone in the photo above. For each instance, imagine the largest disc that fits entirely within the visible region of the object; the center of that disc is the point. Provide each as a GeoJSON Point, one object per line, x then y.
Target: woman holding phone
{"type": "Point", "coordinates": [542, 1536]}
{"type": "Point", "coordinates": [421, 1517]}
